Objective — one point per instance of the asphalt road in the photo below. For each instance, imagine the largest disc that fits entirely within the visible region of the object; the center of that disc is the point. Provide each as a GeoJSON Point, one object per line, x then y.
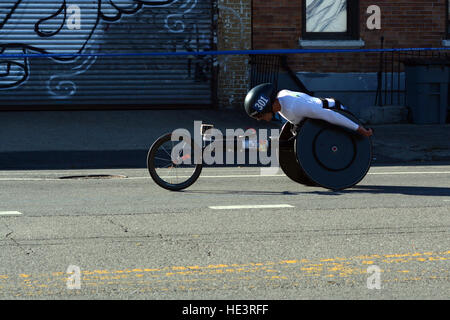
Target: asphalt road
{"type": "Point", "coordinates": [130, 239]}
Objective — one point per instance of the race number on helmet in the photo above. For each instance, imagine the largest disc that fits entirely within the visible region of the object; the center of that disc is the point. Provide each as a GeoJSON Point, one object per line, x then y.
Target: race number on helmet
{"type": "Point", "coordinates": [259, 99]}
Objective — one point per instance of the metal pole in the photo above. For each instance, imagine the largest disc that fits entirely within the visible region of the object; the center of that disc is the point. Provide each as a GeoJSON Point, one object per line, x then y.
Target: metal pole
{"type": "Point", "coordinates": [398, 77]}
{"type": "Point", "coordinates": [392, 76]}
{"type": "Point", "coordinates": [378, 97]}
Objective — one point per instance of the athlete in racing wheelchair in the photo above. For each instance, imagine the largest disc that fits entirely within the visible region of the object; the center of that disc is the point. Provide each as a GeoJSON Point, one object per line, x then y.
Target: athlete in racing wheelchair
{"type": "Point", "coordinates": [262, 102]}
{"type": "Point", "coordinates": [321, 144]}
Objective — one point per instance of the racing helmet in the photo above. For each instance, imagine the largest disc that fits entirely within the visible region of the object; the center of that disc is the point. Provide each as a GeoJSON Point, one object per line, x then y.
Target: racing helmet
{"type": "Point", "coordinates": [260, 99]}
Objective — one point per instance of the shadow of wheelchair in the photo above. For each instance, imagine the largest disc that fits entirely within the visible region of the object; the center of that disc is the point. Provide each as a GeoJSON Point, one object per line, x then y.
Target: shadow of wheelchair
{"type": "Point", "coordinates": [367, 189]}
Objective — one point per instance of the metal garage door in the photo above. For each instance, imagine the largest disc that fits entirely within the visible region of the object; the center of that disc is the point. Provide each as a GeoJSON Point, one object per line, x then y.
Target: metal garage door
{"type": "Point", "coordinates": [104, 27]}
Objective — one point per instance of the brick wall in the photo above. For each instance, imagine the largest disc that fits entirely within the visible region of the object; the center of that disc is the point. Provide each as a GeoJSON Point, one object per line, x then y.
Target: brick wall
{"type": "Point", "coordinates": [404, 23]}
{"type": "Point", "coordinates": [234, 33]}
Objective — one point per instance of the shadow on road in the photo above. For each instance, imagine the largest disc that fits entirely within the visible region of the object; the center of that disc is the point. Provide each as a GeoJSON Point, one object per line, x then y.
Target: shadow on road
{"type": "Point", "coordinates": [406, 190]}
{"type": "Point", "coordinates": [371, 189]}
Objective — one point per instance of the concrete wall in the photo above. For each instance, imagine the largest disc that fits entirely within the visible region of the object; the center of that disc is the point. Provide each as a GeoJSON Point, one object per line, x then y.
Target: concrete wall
{"type": "Point", "coordinates": [355, 90]}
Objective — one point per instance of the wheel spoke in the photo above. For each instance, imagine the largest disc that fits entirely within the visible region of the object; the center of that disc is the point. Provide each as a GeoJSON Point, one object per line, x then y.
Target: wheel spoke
{"type": "Point", "coordinates": [172, 173]}
{"type": "Point", "coordinates": [167, 166]}
{"type": "Point", "coordinates": [163, 159]}
{"type": "Point", "coordinates": [170, 156]}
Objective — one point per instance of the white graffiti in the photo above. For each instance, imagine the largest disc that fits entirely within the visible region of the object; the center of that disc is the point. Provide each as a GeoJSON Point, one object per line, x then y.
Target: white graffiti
{"type": "Point", "coordinates": [67, 27]}
{"type": "Point", "coordinates": [61, 85]}
{"type": "Point", "coordinates": [178, 23]}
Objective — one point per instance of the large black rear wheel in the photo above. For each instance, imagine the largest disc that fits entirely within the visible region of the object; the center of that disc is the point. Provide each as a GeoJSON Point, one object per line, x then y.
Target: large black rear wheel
{"type": "Point", "coordinates": [288, 159]}
{"type": "Point", "coordinates": [332, 156]}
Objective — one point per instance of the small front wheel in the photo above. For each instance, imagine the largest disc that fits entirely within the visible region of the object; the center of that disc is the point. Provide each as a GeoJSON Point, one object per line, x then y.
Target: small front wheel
{"type": "Point", "coordinates": [171, 163]}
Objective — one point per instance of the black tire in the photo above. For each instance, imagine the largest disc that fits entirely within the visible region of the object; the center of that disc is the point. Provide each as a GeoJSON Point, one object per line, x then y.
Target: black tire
{"type": "Point", "coordinates": [336, 169]}
{"type": "Point", "coordinates": [159, 160]}
{"type": "Point", "coordinates": [287, 157]}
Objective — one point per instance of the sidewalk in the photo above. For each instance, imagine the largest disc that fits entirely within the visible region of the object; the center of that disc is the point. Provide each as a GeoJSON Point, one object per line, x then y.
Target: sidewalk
{"type": "Point", "coordinates": [99, 139]}
{"type": "Point", "coordinates": [107, 139]}
{"type": "Point", "coordinates": [405, 143]}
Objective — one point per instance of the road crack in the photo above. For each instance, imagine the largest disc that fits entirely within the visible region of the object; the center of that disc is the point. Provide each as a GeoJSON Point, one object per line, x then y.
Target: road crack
{"type": "Point", "coordinates": [25, 250]}
{"type": "Point", "coordinates": [121, 226]}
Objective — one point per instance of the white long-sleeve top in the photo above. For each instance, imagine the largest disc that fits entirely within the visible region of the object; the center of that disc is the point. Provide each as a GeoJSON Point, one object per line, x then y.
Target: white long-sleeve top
{"type": "Point", "coordinates": [295, 106]}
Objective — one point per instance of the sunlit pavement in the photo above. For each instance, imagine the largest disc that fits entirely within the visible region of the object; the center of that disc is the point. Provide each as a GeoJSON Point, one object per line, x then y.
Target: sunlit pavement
{"type": "Point", "coordinates": [234, 234]}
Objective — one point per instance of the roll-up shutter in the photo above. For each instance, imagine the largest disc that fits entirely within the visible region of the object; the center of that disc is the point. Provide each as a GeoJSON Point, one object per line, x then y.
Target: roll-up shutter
{"type": "Point", "coordinates": [105, 27]}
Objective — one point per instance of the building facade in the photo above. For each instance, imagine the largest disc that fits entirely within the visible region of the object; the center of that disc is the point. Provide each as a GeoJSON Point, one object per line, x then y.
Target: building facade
{"type": "Point", "coordinates": [127, 50]}
{"type": "Point", "coordinates": [350, 24]}
{"type": "Point", "coordinates": [120, 54]}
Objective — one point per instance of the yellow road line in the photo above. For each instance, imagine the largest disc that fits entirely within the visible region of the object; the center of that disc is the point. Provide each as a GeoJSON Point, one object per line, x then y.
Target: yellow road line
{"type": "Point", "coordinates": [191, 277]}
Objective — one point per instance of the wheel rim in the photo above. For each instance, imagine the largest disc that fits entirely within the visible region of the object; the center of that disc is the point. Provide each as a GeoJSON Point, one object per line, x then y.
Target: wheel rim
{"type": "Point", "coordinates": [174, 167]}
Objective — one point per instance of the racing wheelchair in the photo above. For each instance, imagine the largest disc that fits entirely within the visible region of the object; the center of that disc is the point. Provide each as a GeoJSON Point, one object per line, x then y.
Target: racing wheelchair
{"type": "Point", "coordinates": [313, 153]}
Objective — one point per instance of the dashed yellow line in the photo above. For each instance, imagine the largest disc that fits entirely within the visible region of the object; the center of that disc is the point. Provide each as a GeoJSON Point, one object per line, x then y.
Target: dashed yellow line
{"type": "Point", "coordinates": [159, 278]}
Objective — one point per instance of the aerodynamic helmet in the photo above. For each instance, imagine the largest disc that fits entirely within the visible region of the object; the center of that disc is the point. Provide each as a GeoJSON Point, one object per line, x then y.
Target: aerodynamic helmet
{"type": "Point", "coordinates": [260, 99]}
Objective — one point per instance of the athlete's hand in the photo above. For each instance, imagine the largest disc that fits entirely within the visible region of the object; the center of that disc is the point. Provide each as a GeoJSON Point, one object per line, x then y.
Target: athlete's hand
{"type": "Point", "coordinates": [364, 132]}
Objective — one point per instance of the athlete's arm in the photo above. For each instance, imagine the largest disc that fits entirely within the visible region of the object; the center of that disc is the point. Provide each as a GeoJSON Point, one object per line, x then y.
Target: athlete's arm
{"type": "Point", "coordinates": [311, 110]}
{"type": "Point", "coordinates": [330, 116]}
{"type": "Point", "coordinates": [340, 120]}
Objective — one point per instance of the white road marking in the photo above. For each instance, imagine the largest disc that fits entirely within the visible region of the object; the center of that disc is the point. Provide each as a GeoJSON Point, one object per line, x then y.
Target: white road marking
{"type": "Point", "coordinates": [283, 175]}
{"type": "Point", "coordinates": [10, 213]}
{"type": "Point", "coordinates": [227, 176]}
{"type": "Point", "coordinates": [411, 172]}
{"type": "Point", "coordinates": [258, 206]}
{"type": "Point", "coordinates": [30, 179]}
{"type": "Point", "coordinates": [242, 176]}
